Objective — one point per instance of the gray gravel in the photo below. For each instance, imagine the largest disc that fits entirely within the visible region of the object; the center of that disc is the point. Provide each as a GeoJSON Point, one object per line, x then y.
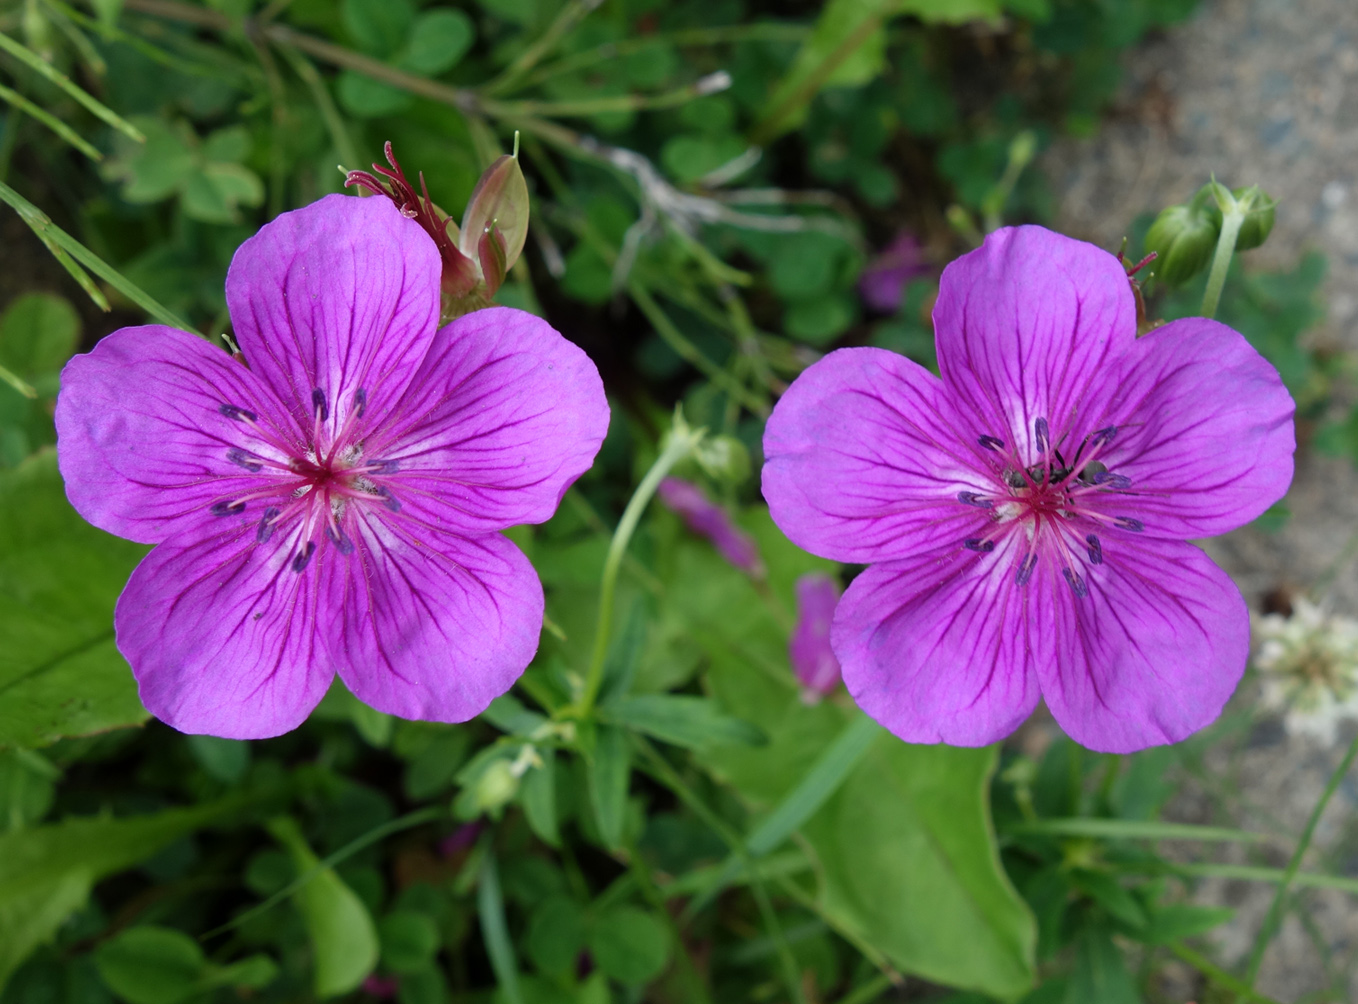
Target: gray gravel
{"type": "Point", "coordinates": [1259, 92]}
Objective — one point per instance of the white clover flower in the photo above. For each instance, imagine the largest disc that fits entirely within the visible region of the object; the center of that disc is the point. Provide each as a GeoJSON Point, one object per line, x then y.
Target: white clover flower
{"type": "Point", "coordinates": [1308, 666]}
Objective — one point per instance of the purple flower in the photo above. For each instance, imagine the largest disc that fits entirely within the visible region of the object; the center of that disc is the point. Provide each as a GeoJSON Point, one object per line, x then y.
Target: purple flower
{"type": "Point", "coordinates": [333, 507]}
{"type": "Point", "coordinates": [710, 520]}
{"type": "Point", "coordinates": [1026, 515]}
{"type": "Point", "coordinates": [883, 280]}
{"type": "Point", "coordinates": [813, 660]}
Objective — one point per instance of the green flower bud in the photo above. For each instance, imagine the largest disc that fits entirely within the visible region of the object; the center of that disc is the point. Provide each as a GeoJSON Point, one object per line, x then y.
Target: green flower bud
{"type": "Point", "coordinates": [1183, 238]}
{"type": "Point", "coordinates": [723, 458]}
{"type": "Point", "coordinates": [496, 787]}
{"type": "Point", "coordinates": [1260, 208]}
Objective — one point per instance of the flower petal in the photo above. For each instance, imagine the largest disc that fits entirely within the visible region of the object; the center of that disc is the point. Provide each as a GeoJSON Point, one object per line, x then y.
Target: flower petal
{"type": "Point", "coordinates": [1023, 325]}
{"type": "Point", "coordinates": [1153, 652]}
{"type": "Point", "coordinates": [434, 626]}
{"type": "Point", "coordinates": [333, 299]}
{"type": "Point", "coordinates": [864, 461]}
{"type": "Point", "coordinates": [1205, 431]}
{"type": "Point", "coordinates": [940, 648]}
{"type": "Point", "coordinates": [224, 638]}
{"type": "Point", "coordinates": [145, 431]}
{"type": "Point", "coordinates": [502, 417]}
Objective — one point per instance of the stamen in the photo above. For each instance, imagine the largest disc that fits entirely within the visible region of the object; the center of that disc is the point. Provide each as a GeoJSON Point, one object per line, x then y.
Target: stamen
{"type": "Point", "coordinates": [301, 561]}
{"type": "Point", "coordinates": [390, 501]}
{"type": "Point", "coordinates": [977, 544]}
{"type": "Point", "coordinates": [340, 539]}
{"type": "Point", "coordinates": [318, 403]}
{"type": "Point", "coordinates": [1077, 584]}
{"type": "Point", "coordinates": [1104, 435]}
{"type": "Point", "coordinates": [1025, 568]}
{"type": "Point", "coordinates": [382, 467]}
{"type": "Point", "coordinates": [1118, 482]}
{"type": "Point", "coordinates": [966, 498]}
{"type": "Point", "coordinates": [226, 508]}
{"type": "Point", "coordinates": [991, 443]}
{"type": "Point", "coordinates": [1127, 523]}
{"type": "Point", "coordinates": [1095, 550]}
{"type": "Point", "coordinates": [1042, 434]}
{"type": "Point", "coordinates": [360, 402]}
{"type": "Point", "coordinates": [265, 530]}
{"type": "Point", "coordinates": [236, 414]}
{"type": "Point", "coordinates": [242, 459]}
{"type": "Point", "coordinates": [1014, 478]}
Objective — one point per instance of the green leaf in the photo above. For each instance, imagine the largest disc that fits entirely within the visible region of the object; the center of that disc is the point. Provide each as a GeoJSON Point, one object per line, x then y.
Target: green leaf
{"type": "Point", "coordinates": [46, 872]}
{"type": "Point", "coordinates": [227, 760]}
{"type": "Point", "coordinates": [1110, 894]}
{"type": "Point", "coordinates": [683, 720]}
{"type": "Point", "coordinates": [27, 788]}
{"type": "Point", "coordinates": [339, 704]}
{"type": "Point", "coordinates": [610, 768]}
{"type": "Point", "coordinates": [491, 904]}
{"type": "Point", "coordinates": [344, 941]}
{"type": "Point", "coordinates": [368, 98]}
{"type": "Point", "coordinates": [151, 965]}
{"type": "Point", "coordinates": [38, 333]}
{"type": "Point", "coordinates": [213, 193]}
{"type": "Point", "coordinates": [438, 41]}
{"type": "Point", "coordinates": [60, 674]}
{"type": "Point", "coordinates": [1100, 973]}
{"type": "Point", "coordinates": [1177, 921]}
{"type": "Point", "coordinates": [409, 940]}
{"type": "Point", "coordinates": [630, 945]}
{"type": "Point", "coordinates": [556, 934]}
{"type": "Point", "coordinates": [537, 795]}
{"type": "Point", "coordinates": [158, 168]}
{"type": "Point", "coordinates": [378, 27]}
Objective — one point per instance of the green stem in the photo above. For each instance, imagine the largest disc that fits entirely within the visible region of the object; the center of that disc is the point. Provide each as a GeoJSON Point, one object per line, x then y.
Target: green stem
{"type": "Point", "coordinates": [680, 444]}
{"type": "Point", "coordinates": [51, 121]}
{"type": "Point", "coordinates": [1218, 975]}
{"type": "Point", "coordinates": [43, 68]}
{"type": "Point", "coordinates": [571, 15]}
{"type": "Point", "coordinates": [1231, 223]}
{"type": "Point", "coordinates": [18, 383]}
{"type": "Point", "coordinates": [1275, 910]}
{"type": "Point", "coordinates": [869, 991]}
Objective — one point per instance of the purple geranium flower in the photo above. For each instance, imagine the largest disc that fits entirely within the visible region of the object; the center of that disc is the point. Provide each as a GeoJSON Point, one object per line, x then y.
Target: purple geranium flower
{"type": "Point", "coordinates": [704, 516]}
{"type": "Point", "coordinates": [1026, 515]}
{"type": "Point", "coordinates": [813, 659]}
{"type": "Point", "coordinates": [334, 507]}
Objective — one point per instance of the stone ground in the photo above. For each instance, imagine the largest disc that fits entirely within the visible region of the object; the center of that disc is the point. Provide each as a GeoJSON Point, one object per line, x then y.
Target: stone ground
{"type": "Point", "coordinates": [1259, 92]}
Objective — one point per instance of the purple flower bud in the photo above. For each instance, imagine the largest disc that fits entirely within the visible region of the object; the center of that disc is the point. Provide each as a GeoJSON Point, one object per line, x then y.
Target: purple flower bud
{"type": "Point", "coordinates": [809, 649]}
{"type": "Point", "coordinates": [709, 519]}
{"type": "Point", "coordinates": [885, 277]}
{"type": "Point", "coordinates": [381, 987]}
{"type": "Point", "coordinates": [460, 839]}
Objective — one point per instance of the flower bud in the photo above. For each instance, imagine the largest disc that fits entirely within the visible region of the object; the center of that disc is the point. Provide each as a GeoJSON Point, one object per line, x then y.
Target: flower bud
{"type": "Point", "coordinates": [709, 519]}
{"type": "Point", "coordinates": [1183, 238]}
{"type": "Point", "coordinates": [1259, 208]}
{"type": "Point", "coordinates": [813, 661]}
{"type": "Point", "coordinates": [496, 787]}
{"type": "Point", "coordinates": [723, 458]}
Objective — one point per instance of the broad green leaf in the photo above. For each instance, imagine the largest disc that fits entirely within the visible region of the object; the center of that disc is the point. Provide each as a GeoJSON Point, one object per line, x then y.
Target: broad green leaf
{"type": "Point", "coordinates": [683, 720]}
{"type": "Point", "coordinates": [368, 98]}
{"type": "Point", "coordinates": [27, 788]}
{"type": "Point", "coordinates": [630, 945]}
{"type": "Point", "coordinates": [156, 169]}
{"type": "Point", "coordinates": [906, 850]}
{"type": "Point", "coordinates": [46, 872]}
{"type": "Point", "coordinates": [378, 27]}
{"type": "Point", "coordinates": [344, 941]}
{"type": "Point", "coordinates": [60, 674]}
{"type": "Point", "coordinates": [537, 795]}
{"type": "Point", "coordinates": [151, 965]}
{"type": "Point", "coordinates": [38, 333]}
{"type": "Point", "coordinates": [438, 41]}
{"type": "Point", "coordinates": [556, 934]}
{"type": "Point", "coordinates": [1182, 920]}
{"type": "Point", "coordinates": [339, 704]}
{"type": "Point", "coordinates": [409, 940]}
{"type": "Point", "coordinates": [225, 759]}
{"type": "Point", "coordinates": [610, 768]}
{"type": "Point", "coordinates": [1100, 973]}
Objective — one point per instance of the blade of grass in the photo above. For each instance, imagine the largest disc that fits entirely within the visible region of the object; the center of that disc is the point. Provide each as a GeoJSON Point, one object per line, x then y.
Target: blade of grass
{"type": "Point", "coordinates": [112, 33]}
{"type": "Point", "coordinates": [51, 234]}
{"type": "Point", "coordinates": [51, 121]}
{"type": "Point", "coordinates": [1135, 829]}
{"type": "Point", "coordinates": [36, 63]}
{"type": "Point", "coordinates": [570, 15]}
{"type": "Point", "coordinates": [1218, 975]}
{"type": "Point", "coordinates": [1250, 873]}
{"type": "Point", "coordinates": [18, 383]}
{"type": "Point", "coordinates": [490, 902]}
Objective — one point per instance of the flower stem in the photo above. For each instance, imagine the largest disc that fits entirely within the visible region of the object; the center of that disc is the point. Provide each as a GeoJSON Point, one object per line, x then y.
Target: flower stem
{"type": "Point", "coordinates": [1274, 918]}
{"type": "Point", "coordinates": [1231, 221]}
{"type": "Point", "coordinates": [681, 441]}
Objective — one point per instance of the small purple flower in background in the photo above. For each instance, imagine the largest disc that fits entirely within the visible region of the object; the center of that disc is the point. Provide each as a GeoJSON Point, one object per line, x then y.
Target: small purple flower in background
{"type": "Point", "coordinates": [883, 280]}
{"type": "Point", "coordinates": [461, 839]}
{"type": "Point", "coordinates": [381, 987]}
{"type": "Point", "coordinates": [709, 519]}
{"type": "Point", "coordinates": [813, 660]}
{"type": "Point", "coordinates": [334, 507]}
{"type": "Point", "coordinates": [1026, 516]}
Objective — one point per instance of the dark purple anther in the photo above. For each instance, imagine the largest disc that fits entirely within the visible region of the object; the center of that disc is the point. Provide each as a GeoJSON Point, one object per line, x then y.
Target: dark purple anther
{"type": "Point", "coordinates": [360, 402]}
{"type": "Point", "coordinates": [265, 530]}
{"type": "Point", "coordinates": [1104, 435]}
{"type": "Point", "coordinates": [1127, 523]}
{"type": "Point", "coordinates": [237, 414]}
{"type": "Point", "coordinates": [384, 467]}
{"type": "Point", "coordinates": [977, 544]}
{"type": "Point", "coordinates": [1077, 584]}
{"type": "Point", "coordinates": [242, 459]}
{"type": "Point", "coordinates": [1108, 479]}
{"type": "Point", "coordinates": [1095, 550]}
{"type": "Point", "coordinates": [1025, 569]}
{"type": "Point", "coordinates": [1042, 434]}
{"type": "Point", "coordinates": [991, 443]}
{"type": "Point", "coordinates": [318, 403]}
{"type": "Point", "coordinates": [227, 508]}
{"type": "Point", "coordinates": [972, 499]}
{"type": "Point", "coordinates": [388, 499]}
{"type": "Point", "coordinates": [340, 540]}
{"type": "Point", "coordinates": [302, 560]}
